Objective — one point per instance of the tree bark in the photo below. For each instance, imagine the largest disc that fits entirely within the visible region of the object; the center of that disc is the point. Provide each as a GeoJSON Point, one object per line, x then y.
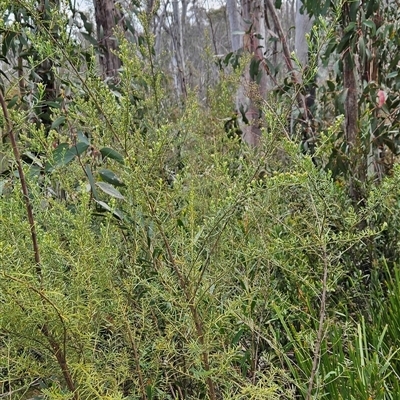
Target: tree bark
{"type": "Point", "coordinates": [234, 24]}
{"type": "Point", "coordinates": [253, 88]}
{"type": "Point", "coordinates": [178, 59]}
{"type": "Point", "coordinates": [303, 24]}
{"type": "Point", "coordinates": [108, 18]}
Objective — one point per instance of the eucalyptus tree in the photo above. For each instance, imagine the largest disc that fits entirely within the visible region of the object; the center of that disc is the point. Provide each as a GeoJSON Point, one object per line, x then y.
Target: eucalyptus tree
{"type": "Point", "coordinates": [248, 36]}
{"type": "Point", "coordinates": [359, 87]}
{"type": "Point", "coordinates": [303, 24]}
{"type": "Point", "coordinates": [234, 23]}
{"type": "Point", "coordinates": [109, 20]}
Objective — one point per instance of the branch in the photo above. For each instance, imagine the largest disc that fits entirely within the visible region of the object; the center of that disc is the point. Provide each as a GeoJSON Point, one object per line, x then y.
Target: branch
{"type": "Point", "coordinates": [22, 179]}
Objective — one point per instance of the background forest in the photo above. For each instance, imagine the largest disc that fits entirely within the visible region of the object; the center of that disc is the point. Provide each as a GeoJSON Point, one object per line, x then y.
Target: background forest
{"type": "Point", "coordinates": [199, 200]}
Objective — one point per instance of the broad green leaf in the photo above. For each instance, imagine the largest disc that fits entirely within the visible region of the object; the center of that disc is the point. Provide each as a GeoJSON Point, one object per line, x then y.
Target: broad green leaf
{"type": "Point", "coordinates": [254, 69]}
{"type": "Point", "coordinates": [88, 26]}
{"type": "Point", "coordinates": [344, 43]}
{"type": "Point", "coordinates": [12, 102]}
{"type": "Point", "coordinates": [58, 156]}
{"type": "Point", "coordinates": [7, 41]}
{"type": "Point", "coordinates": [79, 148]}
{"type": "Point", "coordinates": [59, 151]}
{"type": "Point", "coordinates": [110, 177]}
{"type": "Point", "coordinates": [331, 85]}
{"type": "Point", "coordinates": [372, 6]}
{"type": "Point", "coordinates": [53, 104]}
{"type": "Point", "coordinates": [83, 138]}
{"type": "Point", "coordinates": [111, 153]}
{"type": "Point", "coordinates": [64, 154]}
{"type": "Point", "coordinates": [370, 24]}
{"type": "Point", "coordinates": [227, 58]}
{"type": "Point", "coordinates": [60, 120]}
{"type": "Point", "coordinates": [354, 8]}
{"type": "Point", "coordinates": [66, 158]}
{"type": "Point", "coordinates": [110, 190]}
{"type": "Point", "coordinates": [350, 27]}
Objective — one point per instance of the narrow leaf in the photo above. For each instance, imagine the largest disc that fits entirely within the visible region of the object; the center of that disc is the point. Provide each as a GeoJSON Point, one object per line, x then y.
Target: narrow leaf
{"type": "Point", "coordinates": [58, 122]}
{"type": "Point", "coordinates": [91, 181]}
{"type": "Point", "coordinates": [79, 148]}
{"type": "Point", "coordinates": [110, 190]}
{"type": "Point", "coordinates": [370, 24]}
{"type": "Point", "coordinates": [83, 138]}
{"type": "Point", "coordinates": [117, 213]}
{"type": "Point", "coordinates": [110, 177]}
{"type": "Point", "coordinates": [12, 102]}
{"type": "Point", "coordinates": [111, 153]}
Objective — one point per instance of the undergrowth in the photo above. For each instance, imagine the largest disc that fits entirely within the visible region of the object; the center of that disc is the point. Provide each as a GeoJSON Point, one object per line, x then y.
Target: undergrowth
{"type": "Point", "coordinates": [178, 263]}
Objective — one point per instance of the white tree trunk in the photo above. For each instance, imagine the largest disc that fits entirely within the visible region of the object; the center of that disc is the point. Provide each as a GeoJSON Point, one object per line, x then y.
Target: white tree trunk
{"type": "Point", "coordinates": [303, 24]}
{"type": "Point", "coordinates": [177, 39]}
{"type": "Point", "coordinates": [234, 23]}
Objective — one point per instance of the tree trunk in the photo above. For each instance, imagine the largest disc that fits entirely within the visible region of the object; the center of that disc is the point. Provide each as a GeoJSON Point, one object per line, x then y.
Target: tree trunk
{"type": "Point", "coordinates": [254, 43]}
{"type": "Point", "coordinates": [108, 18]}
{"type": "Point", "coordinates": [303, 24]}
{"type": "Point", "coordinates": [234, 24]}
{"type": "Point", "coordinates": [178, 61]}
{"type": "Point", "coordinates": [253, 88]}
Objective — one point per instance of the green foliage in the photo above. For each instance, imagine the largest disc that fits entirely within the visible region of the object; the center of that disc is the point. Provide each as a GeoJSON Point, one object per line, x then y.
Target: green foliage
{"type": "Point", "coordinates": [177, 263]}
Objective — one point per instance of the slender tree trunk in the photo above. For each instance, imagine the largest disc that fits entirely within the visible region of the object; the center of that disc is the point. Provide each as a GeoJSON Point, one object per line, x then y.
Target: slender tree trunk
{"type": "Point", "coordinates": [357, 161]}
{"type": "Point", "coordinates": [178, 58]}
{"type": "Point", "coordinates": [254, 43]}
{"type": "Point", "coordinates": [303, 24]}
{"type": "Point", "coordinates": [159, 26]}
{"type": "Point", "coordinates": [357, 158]}
{"type": "Point", "coordinates": [253, 87]}
{"type": "Point", "coordinates": [234, 24]}
{"type": "Point", "coordinates": [108, 18]}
